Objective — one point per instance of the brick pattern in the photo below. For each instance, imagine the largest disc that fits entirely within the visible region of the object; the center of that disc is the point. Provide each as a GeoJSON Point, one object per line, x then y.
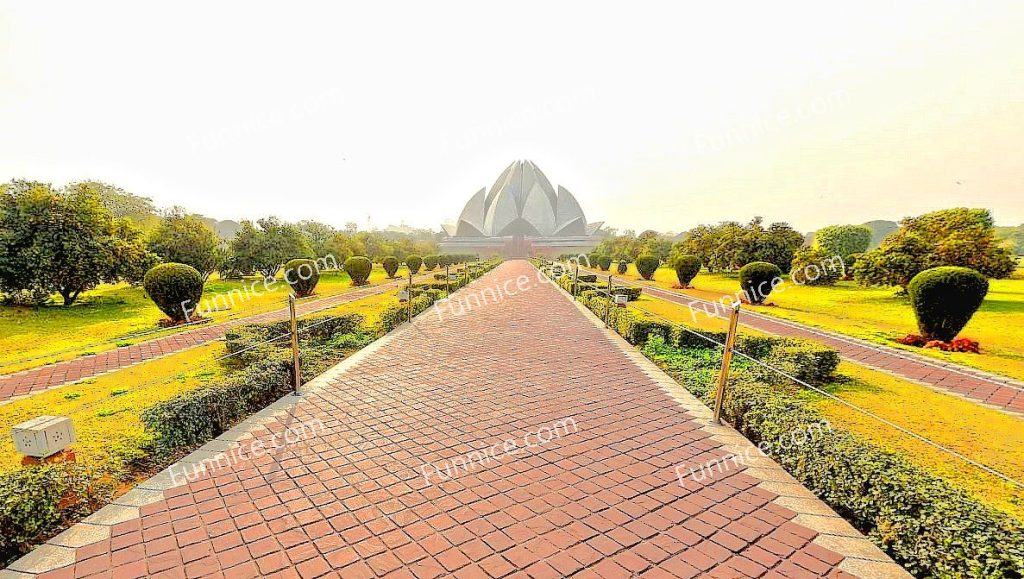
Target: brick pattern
{"type": "Point", "coordinates": [33, 380]}
{"type": "Point", "coordinates": [966, 382]}
{"type": "Point", "coordinates": [600, 500]}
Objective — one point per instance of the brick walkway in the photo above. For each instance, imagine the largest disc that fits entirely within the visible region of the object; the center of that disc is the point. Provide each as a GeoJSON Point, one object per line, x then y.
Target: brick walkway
{"type": "Point", "coordinates": [966, 382]}
{"type": "Point", "coordinates": [33, 380]}
{"type": "Point", "coordinates": [597, 496]}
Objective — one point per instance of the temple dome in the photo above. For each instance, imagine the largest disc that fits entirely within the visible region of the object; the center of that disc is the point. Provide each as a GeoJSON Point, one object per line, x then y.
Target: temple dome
{"type": "Point", "coordinates": [522, 202]}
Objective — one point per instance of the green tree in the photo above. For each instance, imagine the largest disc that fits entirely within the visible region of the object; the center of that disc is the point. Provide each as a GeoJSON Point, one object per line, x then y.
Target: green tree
{"type": "Point", "coordinates": [843, 240]}
{"type": "Point", "coordinates": [267, 244]}
{"type": "Point", "coordinates": [956, 237]}
{"type": "Point", "coordinates": [64, 242]}
{"type": "Point", "coordinates": [319, 236]}
{"type": "Point", "coordinates": [181, 238]}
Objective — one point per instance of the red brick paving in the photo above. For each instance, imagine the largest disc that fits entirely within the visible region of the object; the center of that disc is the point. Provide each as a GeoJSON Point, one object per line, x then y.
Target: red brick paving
{"type": "Point", "coordinates": [602, 501]}
{"type": "Point", "coordinates": [36, 379]}
{"type": "Point", "coordinates": [961, 381]}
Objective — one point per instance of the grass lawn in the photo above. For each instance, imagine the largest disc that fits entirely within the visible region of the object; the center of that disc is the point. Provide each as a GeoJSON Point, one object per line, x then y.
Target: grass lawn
{"type": "Point", "coordinates": [877, 315]}
{"type": "Point", "coordinates": [106, 409]}
{"type": "Point", "coordinates": [107, 316]}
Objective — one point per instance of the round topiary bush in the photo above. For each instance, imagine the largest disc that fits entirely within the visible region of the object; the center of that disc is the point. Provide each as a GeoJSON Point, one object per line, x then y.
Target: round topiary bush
{"type": "Point", "coordinates": [687, 267]}
{"type": "Point", "coordinates": [413, 262]}
{"type": "Point", "coordinates": [647, 264]}
{"type": "Point", "coordinates": [175, 288]}
{"type": "Point", "coordinates": [302, 275]}
{"type": "Point", "coordinates": [444, 260]}
{"type": "Point", "coordinates": [358, 268]}
{"type": "Point", "coordinates": [604, 262]}
{"type": "Point", "coordinates": [623, 267]}
{"type": "Point", "coordinates": [430, 262]}
{"type": "Point", "coordinates": [757, 280]}
{"type": "Point", "coordinates": [390, 264]}
{"type": "Point", "coordinates": [592, 259]}
{"type": "Point", "coordinates": [944, 299]}
{"type": "Point", "coordinates": [816, 267]}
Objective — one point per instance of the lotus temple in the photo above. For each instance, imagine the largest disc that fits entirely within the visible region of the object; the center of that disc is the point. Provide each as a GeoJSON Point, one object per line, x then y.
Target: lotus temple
{"type": "Point", "coordinates": [521, 215]}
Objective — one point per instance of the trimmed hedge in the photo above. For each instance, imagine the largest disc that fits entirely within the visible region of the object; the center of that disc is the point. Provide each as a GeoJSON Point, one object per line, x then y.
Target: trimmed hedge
{"type": "Point", "coordinates": [170, 285]}
{"type": "Point", "coordinates": [413, 262]}
{"type": "Point", "coordinates": [646, 265]}
{"type": "Point", "coordinates": [687, 267]}
{"type": "Point", "coordinates": [429, 262]}
{"type": "Point", "coordinates": [302, 275]}
{"type": "Point", "coordinates": [358, 268]}
{"type": "Point", "coordinates": [757, 280]}
{"type": "Point", "coordinates": [945, 299]}
{"type": "Point", "coordinates": [390, 265]}
{"type": "Point", "coordinates": [604, 262]}
{"type": "Point", "coordinates": [623, 267]}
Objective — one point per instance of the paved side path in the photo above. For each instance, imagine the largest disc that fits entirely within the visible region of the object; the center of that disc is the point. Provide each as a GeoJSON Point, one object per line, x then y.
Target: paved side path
{"type": "Point", "coordinates": [576, 438]}
{"type": "Point", "coordinates": [966, 382]}
{"type": "Point", "coordinates": [33, 380]}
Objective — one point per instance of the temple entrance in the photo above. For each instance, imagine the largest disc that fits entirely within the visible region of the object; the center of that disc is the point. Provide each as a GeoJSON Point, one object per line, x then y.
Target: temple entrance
{"type": "Point", "coordinates": [517, 247]}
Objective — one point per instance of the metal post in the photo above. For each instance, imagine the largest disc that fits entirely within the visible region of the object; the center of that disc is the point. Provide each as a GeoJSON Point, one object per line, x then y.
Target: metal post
{"type": "Point", "coordinates": [410, 297]}
{"type": "Point", "coordinates": [723, 376]}
{"type": "Point", "coordinates": [608, 310]}
{"type": "Point", "coordinates": [295, 343]}
{"type": "Point", "coordinates": [447, 286]}
{"type": "Point", "coordinates": [576, 282]}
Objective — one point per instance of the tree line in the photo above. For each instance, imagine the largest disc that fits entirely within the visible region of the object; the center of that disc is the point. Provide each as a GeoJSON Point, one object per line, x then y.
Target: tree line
{"type": "Point", "coordinates": [70, 239]}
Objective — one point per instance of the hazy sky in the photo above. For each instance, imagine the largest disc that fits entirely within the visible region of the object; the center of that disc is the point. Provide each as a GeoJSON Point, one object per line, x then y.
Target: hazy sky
{"type": "Point", "coordinates": [654, 115]}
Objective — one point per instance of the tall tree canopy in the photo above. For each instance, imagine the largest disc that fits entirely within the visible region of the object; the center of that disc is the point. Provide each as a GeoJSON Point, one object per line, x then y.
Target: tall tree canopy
{"type": "Point", "coordinates": [182, 238]}
{"type": "Point", "coordinates": [957, 237]}
{"type": "Point", "coordinates": [267, 244]}
{"type": "Point", "coordinates": [729, 245]}
{"type": "Point", "coordinates": [64, 242]}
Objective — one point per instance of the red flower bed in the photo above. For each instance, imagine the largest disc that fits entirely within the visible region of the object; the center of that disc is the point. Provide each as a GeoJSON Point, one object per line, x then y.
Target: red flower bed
{"type": "Point", "coordinates": [957, 345]}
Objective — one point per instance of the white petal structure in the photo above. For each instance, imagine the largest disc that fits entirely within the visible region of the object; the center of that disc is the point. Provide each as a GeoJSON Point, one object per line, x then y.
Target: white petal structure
{"type": "Point", "coordinates": [523, 203]}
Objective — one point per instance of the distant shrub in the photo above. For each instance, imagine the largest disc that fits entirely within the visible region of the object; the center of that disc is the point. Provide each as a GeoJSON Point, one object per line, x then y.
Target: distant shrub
{"type": "Point", "coordinates": [302, 275]}
{"type": "Point", "coordinates": [647, 264]}
{"type": "Point", "coordinates": [944, 299]}
{"type": "Point", "coordinates": [430, 262]}
{"type": "Point", "coordinates": [444, 260]}
{"type": "Point", "coordinates": [390, 264]}
{"type": "Point", "coordinates": [592, 259]}
{"type": "Point", "coordinates": [816, 267]}
{"type": "Point", "coordinates": [604, 262]}
{"type": "Point", "coordinates": [756, 280]}
{"type": "Point", "coordinates": [358, 268]}
{"type": "Point", "coordinates": [687, 267]}
{"type": "Point", "coordinates": [849, 262]}
{"type": "Point", "coordinates": [623, 267]}
{"type": "Point", "coordinates": [174, 287]}
{"type": "Point", "coordinates": [413, 262]}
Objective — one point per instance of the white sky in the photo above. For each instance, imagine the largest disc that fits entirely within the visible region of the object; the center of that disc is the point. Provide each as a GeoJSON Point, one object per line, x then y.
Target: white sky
{"type": "Point", "coordinates": [654, 115]}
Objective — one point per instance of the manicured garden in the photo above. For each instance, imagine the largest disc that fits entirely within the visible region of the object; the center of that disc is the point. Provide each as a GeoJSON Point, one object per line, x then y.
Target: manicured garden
{"type": "Point", "coordinates": [932, 515]}
{"type": "Point", "coordinates": [134, 421]}
{"type": "Point", "coordinates": [878, 315]}
{"type": "Point", "coordinates": [108, 316]}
